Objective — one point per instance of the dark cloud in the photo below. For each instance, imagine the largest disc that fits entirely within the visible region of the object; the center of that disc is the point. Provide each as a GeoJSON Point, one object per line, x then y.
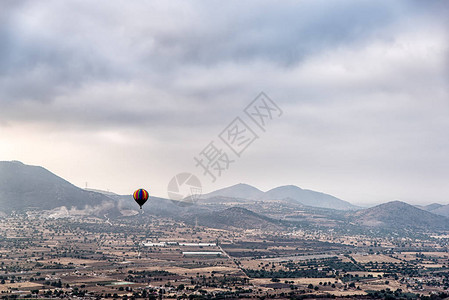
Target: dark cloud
{"type": "Point", "coordinates": [362, 83]}
{"type": "Point", "coordinates": [284, 34]}
{"type": "Point", "coordinates": [53, 53]}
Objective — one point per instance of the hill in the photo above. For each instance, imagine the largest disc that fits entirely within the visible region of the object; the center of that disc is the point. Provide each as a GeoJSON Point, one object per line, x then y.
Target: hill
{"type": "Point", "coordinates": [237, 217]}
{"type": "Point", "coordinates": [430, 207]}
{"type": "Point", "coordinates": [241, 190]}
{"type": "Point", "coordinates": [397, 214]}
{"type": "Point", "coordinates": [25, 187]}
{"type": "Point", "coordinates": [436, 208]}
{"type": "Point", "coordinates": [107, 193]}
{"type": "Point", "coordinates": [442, 210]}
{"type": "Point", "coordinates": [308, 197]}
{"type": "Point", "coordinates": [291, 194]}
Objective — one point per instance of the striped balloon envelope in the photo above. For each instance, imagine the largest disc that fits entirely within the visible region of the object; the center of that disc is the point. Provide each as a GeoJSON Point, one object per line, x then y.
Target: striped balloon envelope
{"type": "Point", "coordinates": [141, 196]}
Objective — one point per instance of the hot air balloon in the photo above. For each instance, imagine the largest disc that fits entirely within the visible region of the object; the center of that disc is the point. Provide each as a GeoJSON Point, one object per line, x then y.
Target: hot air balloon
{"type": "Point", "coordinates": [141, 196]}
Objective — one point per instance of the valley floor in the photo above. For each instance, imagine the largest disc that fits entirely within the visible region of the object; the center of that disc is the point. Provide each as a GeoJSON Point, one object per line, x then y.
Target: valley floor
{"type": "Point", "coordinates": [150, 257]}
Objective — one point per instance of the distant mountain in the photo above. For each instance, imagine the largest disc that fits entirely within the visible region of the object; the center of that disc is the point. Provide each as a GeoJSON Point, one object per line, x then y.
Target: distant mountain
{"type": "Point", "coordinates": [430, 207]}
{"type": "Point", "coordinates": [308, 197]}
{"type": "Point", "coordinates": [399, 215]}
{"type": "Point", "coordinates": [289, 193]}
{"type": "Point", "coordinates": [237, 217]}
{"type": "Point", "coordinates": [224, 200]}
{"type": "Point", "coordinates": [442, 210]}
{"type": "Point", "coordinates": [436, 208]}
{"type": "Point", "coordinates": [241, 190]}
{"type": "Point", "coordinates": [25, 187]}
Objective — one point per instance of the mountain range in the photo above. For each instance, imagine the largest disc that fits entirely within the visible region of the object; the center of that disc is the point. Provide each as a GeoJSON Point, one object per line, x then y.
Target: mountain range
{"type": "Point", "coordinates": [289, 193]}
{"type": "Point", "coordinates": [24, 188]}
{"type": "Point", "coordinates": [32, 187]}
{"type": "Point", "coordinates": [436, 208]}
{"type": "Point", "coordinates": [399, 214]}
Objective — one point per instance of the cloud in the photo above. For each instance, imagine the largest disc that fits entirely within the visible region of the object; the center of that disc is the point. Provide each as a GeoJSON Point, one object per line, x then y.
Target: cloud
{"type": "Point", "coordinates": [52, 49]}
{"type": "Point", "coordinates": [362, 84]}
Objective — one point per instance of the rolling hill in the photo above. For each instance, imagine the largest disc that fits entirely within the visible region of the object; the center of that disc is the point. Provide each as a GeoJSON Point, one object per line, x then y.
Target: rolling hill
{"type": "Point", "coordinates": [443, 210]}
{"type": "Point", "coordinates": [397, 214]}
{"type": "Point", "coordinates": [308, 197]}
{"type": "Point", "coordinates": [289, 193]}
{"type": "Point", "coordinates": [436, 208]}
{"type": "Point", "coordinates": [237, 217]}
{"type": "Point", "coordinates": [430, 207]}
{"type": "Point", "coordinates": [25, 187]}
{"type": "Point", "coordinates": [241, 190]}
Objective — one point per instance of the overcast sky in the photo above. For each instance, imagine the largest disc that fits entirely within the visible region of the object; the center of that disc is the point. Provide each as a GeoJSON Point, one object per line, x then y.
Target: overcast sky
{"type": "Point", "coordinates": [124, 94]}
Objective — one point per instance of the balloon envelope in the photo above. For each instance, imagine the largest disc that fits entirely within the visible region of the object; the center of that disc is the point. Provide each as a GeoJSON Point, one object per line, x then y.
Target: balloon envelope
{"type": "Point", "coordinates": [141, 196]}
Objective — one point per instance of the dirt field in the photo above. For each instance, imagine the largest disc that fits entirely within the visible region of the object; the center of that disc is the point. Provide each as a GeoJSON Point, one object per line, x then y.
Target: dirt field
{"type": "Point", "coordinates": [68, 260]}
{"type": "Point", "coordinates": [206, 270]}
{"type": "Point", "coordinates": [20, 285]}
{"type": "Point", "coordinates": [347, 293]}
{"type": "Point", "coordinates": [303, 281]}
{"type": "Point", "coordinates": [374, 258]}
{"type": "Point", "coordinates": [366, 274]}
{"type": "Point", "coordinates": [380, 285]}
